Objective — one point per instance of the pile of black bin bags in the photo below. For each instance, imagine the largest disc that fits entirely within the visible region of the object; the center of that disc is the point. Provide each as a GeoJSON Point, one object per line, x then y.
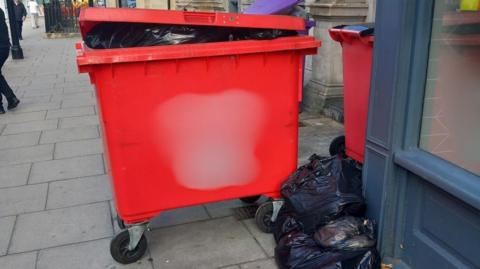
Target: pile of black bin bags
{"type": "Point", "coordinates": [321, 225]}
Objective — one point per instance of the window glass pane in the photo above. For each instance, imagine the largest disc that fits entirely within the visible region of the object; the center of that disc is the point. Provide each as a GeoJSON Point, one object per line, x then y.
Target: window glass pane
{"type": "Point", "coordinates": [451, 113]}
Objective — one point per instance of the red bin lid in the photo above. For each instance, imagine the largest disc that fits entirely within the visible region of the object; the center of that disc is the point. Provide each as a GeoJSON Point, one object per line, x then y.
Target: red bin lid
{"type": "Point", "coordinates": [346, 33]}
{"type": "Point", "coordinates": [89, 17]}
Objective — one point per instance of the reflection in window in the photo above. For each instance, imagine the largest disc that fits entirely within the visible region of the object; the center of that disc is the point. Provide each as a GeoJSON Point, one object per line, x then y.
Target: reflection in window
{"type": "Point", "coordinates": [451, 113]}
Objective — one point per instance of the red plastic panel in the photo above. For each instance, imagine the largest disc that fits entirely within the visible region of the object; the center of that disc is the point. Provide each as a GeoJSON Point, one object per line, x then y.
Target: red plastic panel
{"type": "Point", "coordinates": [87, 56]}
{"type": "Point", "coordinates": [186, 132]}
{"type": "Point", "coordinates": [89, 17]}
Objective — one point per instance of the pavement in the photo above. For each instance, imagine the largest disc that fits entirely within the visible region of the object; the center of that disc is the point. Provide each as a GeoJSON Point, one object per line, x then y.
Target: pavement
{"type": "Point", "coordinates": [56, 208]}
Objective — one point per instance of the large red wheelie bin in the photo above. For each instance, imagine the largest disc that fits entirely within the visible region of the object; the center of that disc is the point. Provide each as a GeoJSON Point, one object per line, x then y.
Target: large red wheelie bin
{"type": "Point", "coordinates": [195, 123]}
{"type": "Point", "coordinates": [357, 46]}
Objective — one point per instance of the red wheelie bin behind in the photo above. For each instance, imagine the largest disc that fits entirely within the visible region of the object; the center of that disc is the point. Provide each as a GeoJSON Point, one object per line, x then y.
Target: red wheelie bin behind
{"type": "Point", "coordinates": [357, 44]}
{"type": "Point", "coordinates": [195, 123]}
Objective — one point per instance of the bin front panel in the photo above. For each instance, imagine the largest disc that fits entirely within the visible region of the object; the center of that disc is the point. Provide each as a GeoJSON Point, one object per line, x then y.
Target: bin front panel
{"type": "Point", "coordinates": [191, 131]}
{"type": "Point", "coordinates": [357, 63]}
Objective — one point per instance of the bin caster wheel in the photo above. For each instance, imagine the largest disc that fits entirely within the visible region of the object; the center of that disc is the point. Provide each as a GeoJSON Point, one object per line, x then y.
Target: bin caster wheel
{"type": "Point", "coordinates": [119, 248]}
{"type": "Point", "coordinates": [263, 217]}
{"type": "Point", "coordinates": [250, 199]}
{"type": "Point", "coordinates": [337, 146]}
{"type": "Point", "coordinates": [121, 223]}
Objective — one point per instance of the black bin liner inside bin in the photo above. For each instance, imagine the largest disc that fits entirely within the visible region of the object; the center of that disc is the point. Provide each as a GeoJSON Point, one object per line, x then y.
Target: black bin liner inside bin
{"type": "Point", "coordinates": [111, 35]}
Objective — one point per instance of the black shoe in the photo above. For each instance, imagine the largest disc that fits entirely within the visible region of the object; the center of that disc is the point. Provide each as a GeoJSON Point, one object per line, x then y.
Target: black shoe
{"type": "Point", "coordinates": [13, 103]}
{"type": "Point", "coordinates": [2, 111]}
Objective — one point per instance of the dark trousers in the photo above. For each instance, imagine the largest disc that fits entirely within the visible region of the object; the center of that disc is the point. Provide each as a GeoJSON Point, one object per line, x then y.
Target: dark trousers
{"type": "Point", "coordinates": [4, 87]}
{"type": "Point", "coordinates": [19, 25]}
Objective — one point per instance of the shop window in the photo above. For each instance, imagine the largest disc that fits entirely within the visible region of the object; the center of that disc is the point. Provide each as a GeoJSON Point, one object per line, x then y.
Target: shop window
{"type": "Point", "coordinates": [451, 112]}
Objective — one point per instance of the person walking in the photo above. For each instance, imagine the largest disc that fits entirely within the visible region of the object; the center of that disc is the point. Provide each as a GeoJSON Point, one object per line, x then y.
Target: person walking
{"type": "Point", "coordinates": [4, 52]}
{"type": "Point", "coordinates": [34, 10]}
{"type": "Point", "coordinates": [20, 16]}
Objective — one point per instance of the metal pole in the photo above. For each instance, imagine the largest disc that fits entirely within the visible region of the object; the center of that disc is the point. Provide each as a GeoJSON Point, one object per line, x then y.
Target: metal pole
{"type": "Point", "coordinates": [17, 52]}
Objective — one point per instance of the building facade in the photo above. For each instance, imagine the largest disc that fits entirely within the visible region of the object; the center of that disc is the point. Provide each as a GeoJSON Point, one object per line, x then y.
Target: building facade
{"type": "Point", "coordinates": [422, 156]}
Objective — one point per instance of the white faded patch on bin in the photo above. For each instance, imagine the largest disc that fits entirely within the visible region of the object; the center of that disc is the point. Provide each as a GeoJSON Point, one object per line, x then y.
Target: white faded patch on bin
{"type": "Point", "coordinates": [210, 139]}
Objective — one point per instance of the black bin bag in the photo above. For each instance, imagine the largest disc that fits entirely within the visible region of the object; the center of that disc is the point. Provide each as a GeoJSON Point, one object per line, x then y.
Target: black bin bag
{"type": "Point", "coordinates": [299, 251]}
{"type": "Point", "coordinates": [369, 260]}
{"type": "Point", "coordinates": [110, 35]}
{"type": "Point", "coordinates": [346, 233]}
{"type": "Point", "coordinates": [324, 190]}
{"type": "Point", "coordinates": [285, 224]}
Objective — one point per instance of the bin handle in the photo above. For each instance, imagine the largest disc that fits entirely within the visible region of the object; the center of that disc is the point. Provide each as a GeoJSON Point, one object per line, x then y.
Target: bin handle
{"type": "Point", "coordinates": [199, 17]}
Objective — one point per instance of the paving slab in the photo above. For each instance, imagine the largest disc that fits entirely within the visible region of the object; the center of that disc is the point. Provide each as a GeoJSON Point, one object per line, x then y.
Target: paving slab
{"type": "Point", "coordinates": [78, 148]}
{"type": "Point", "coordinates": [77, 78]}
{"type": "Point", "coordinates": [208, 244]}
{"type": "Point", "coordinates": [26, 154]}
{"type": "Point", "coordinates": [57, 227]}
{"type": "Point", "coordinates": [6, 228]}
{"type": "Point", "coordinates": [14, 175]}
{"type": "Point", "coordinates": [179, 216]}
{"type": "Point", "coordinates": [78, 191]}
{"type": "Point", "coordinates": [266, 241]}
{"type": "Point", "coordinates": [85, 166]}
{"type": "Point", "coordinates": [72, 84]}
{"type": "Point", "coordinates": [85, 95]}
{"type": "Point", "coordinates": [79, 121]}
{"type": "Point", "coordinates": [78, 89]}
{"type": "Point", "coordinates": [31, 100]}
{"type": "Point", "coordinates": [19, 140]}
{"type": "Point", "coordinates": [42, 105]}
{"type": "Point", "coordinates": [24, 199]}
{"type": "Point", "coordinates": [22, 117]}
{"type": "Point", "coordinates": [31, 126]}
{"type": "Point", "coordinates": [76, 102]}
{"type": "Point", "coordinates": [91, 255]}
{"type": "Point", "coordinates": [16, 79]}
{"type": "Point", "coordinates": [263, 264]}
{"type": "Point", "coordinates": [70, 112]}
{"type": "Point", "coordinates": [39, 86]}
{"type": "Point", "coordinates": [50, 77]}
{"type": "Point", "coordinates": [223, 209]}
{"type": "Point", "coordinates": [69, 134]}
{"type": "Point", "coordinates": [19, 261]}
{"type": "Point", "coordinates": [42, 81]}
{"type": "Point", "coordinates": [41, 92]}
{"type": "Point", "coordinates": [315, 136]}
{"type": "Point", "coordinates": [45, 77]}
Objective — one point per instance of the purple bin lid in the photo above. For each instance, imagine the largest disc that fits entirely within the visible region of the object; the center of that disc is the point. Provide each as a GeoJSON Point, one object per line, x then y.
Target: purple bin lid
{"type": "Point", "coordinates": [271, 7]}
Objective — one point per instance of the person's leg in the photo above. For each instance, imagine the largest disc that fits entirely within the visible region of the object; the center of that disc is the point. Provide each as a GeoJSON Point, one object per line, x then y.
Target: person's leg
{"type": "Point", "coordinates": [2, 110]}
{"type": "Point", "coordinates": [4, 87]}
{"type": "Point", "coordinates": [2, 61]}
{"type": "Point", "coordinates": [32, 20]}
{"type": "Point", "coordinates": [20, 27]}
{"type": "Point", "coordinates": [36, 20]}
